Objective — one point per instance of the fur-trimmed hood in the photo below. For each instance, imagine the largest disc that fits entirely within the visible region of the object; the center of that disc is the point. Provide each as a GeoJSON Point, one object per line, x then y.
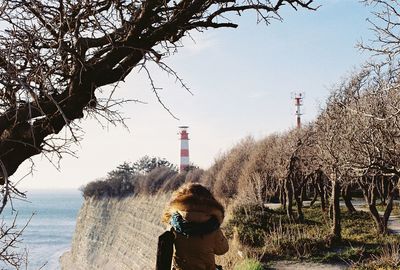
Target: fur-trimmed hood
{"type": "Point", "coordinates": [194, 209]}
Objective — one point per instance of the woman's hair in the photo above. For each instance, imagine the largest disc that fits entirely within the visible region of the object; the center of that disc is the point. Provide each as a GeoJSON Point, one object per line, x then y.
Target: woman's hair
{"type": "Point", "coordinates": [191, 192]}
{"type": "Point", "coordinates": [192, 189]}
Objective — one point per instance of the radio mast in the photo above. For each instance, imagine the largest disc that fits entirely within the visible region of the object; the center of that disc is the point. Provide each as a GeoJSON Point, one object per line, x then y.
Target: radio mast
{"type": "Point", "coordinates": [298, 100]}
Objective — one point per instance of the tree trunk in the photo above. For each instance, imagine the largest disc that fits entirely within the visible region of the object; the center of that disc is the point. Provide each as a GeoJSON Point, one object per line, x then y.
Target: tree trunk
{"type": "Point", "coordinates": [298, 196]}
{"type": "Point", "coordinates": [391, 192]}
{"type": "Point", "coordinates": [326, 192]}
{"type": "Point", "coordinates": [346, 195]}
{"type": "Point", "coordinates": [282, 196]}
{"type": "Point", "coordinates": [323, 201]}
{"type": "Point", "coordinates": [387, 186]}
{"type": "Point", "coordinates": [376, 217]}
{"type": "Point", "coordinates": [320, 189]}
{"type": "Point", "coordinates": [300, 214]}
{"type": "Point", "coordinates": [304, 193]}
{"type": "Point", "coordinates": [369, 190]}
{"type": "Point", "coordinates": [336, 228]}
{"type": "Point", "coordinates": [314, 199]}
{"type": "Point", "coordinates": [381, 222]}
{"type": "Point", "coordinates": [388, 211]}
{"type": "Point", "coordinates": [289, 198]}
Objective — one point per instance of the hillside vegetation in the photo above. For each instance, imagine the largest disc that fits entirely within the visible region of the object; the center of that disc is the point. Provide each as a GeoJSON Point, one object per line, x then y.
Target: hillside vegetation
{"type": "Point", "coordinates": [351, 149]}
{"type": "Point", "coordinates": [147, 176]}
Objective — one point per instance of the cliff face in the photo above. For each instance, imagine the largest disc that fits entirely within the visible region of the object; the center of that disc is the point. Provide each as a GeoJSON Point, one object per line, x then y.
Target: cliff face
{"type": "Point", "coordinates": [116, 234]}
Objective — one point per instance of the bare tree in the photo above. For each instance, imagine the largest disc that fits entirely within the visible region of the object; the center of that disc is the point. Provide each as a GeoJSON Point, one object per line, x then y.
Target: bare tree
{"type": "Point", "coordinates": [54, 55]}
{"type": "Point", "coordinates": [385, 27]}
{"type": "Point", "coordinates": [358, 138]}
{"type": "Point", "coordinates": [330, 128]}
{"type": "Point", "coordinates": [379, 111]}
{"type": "Point", "coordinates": [258, 178]}
{"type": "Point", "coordinates": [10, 237]}
{"type": "Point", "coordinates": [302, 167]}
{"type": "Point", "coordinates": [373, 153]}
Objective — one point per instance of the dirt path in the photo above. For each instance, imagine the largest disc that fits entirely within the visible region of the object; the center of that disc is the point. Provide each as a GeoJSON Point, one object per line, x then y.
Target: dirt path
{"type": "Point", "coordinates": [394, 224]}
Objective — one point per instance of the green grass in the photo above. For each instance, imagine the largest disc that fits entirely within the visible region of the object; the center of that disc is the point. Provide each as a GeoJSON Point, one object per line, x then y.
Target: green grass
{"type": "Point", "coordinates": [249, 264]}
{"type": "Point", "coordinates": [358, 228]}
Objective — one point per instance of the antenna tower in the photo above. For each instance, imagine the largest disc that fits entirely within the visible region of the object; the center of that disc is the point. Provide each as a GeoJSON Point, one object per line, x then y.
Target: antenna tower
{"type": "Point", "coordinates": [298, 101]}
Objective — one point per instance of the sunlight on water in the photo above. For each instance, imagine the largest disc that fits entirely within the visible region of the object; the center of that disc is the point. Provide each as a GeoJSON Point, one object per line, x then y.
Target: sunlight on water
{"type": "Point", "coordinates": [50, 231]}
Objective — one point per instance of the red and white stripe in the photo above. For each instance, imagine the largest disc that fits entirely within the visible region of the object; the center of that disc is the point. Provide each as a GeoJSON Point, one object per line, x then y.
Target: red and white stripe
{"type": "Point", "coordinates": [184, 148]}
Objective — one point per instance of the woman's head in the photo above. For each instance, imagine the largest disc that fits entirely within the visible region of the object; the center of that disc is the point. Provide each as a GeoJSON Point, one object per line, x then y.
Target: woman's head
{"type": "Point", "coordinates": [193, 197]}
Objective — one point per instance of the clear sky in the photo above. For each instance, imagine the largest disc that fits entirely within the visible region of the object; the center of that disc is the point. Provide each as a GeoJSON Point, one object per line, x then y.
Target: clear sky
{"type": "Point", "coordinates": [242, 82]}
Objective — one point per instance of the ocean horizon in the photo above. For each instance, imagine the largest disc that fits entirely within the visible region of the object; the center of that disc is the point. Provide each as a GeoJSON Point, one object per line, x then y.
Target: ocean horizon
{"type": "Point", "coordinates": [49, 233]}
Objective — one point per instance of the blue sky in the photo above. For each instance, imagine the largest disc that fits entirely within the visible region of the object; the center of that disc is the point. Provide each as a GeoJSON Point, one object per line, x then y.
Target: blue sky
{"type": "Point", "coordinates": [242, 82]}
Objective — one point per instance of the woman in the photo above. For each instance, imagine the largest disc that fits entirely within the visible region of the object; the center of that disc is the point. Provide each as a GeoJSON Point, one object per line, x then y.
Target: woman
{"type": "Point", "coordinates": [195, 216]}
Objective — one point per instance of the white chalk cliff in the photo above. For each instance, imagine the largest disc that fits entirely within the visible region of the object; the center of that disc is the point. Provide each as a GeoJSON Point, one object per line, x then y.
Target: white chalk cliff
{"type": "Point", "coordinates": [116, 234]}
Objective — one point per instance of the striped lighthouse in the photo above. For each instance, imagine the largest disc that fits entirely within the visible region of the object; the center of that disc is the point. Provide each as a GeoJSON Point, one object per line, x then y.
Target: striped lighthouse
{"type": "Point", "coordinates": [184, 148]}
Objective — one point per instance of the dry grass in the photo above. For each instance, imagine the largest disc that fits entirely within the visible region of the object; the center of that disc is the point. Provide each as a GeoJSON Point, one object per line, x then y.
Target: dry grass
{"type": "Point", "coordinates": [388, 259]}
{"type": "Point", "coordinates": [297, 240]}
{"type": "Point", "coordinates": [238, 254]}
{"type": "Point", "coordinates": [234, 256]}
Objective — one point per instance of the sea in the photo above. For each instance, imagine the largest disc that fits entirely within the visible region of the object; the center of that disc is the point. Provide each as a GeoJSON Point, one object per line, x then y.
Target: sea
{"type": "Point", "coordinates": [52, 215]}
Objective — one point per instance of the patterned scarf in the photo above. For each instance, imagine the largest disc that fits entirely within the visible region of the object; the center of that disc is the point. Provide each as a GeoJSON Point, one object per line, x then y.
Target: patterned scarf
{"type": "Point", "coordinates": [186, 228]}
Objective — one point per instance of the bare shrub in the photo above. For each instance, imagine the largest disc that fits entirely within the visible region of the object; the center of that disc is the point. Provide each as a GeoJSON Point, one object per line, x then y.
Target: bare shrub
{"type": "Point", "coordinates": [249, 223]}
{"type": "Point", "coordinates": [260, 169]}
{"type": "Point", "coordinates": [173, 182]}
{"type": "Point", "coordinates": [96, 189]}
{"type": "Point", "coordinates": [120, 182]}
{"type": "Point", "coordinates": [226, 182]}
{"type": "Point", "coordinates": [209, 177]}
{"type": "Point", "coordinates": [125, 180]}
{"type": "Point", "coordinates": [254, 190]}
{"type": "Point", "coordinates": [194, 176]}
{"type": "Point", "coordinates": [112, 187]}
{"type": "Point", "coordinates": [152, 182]}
